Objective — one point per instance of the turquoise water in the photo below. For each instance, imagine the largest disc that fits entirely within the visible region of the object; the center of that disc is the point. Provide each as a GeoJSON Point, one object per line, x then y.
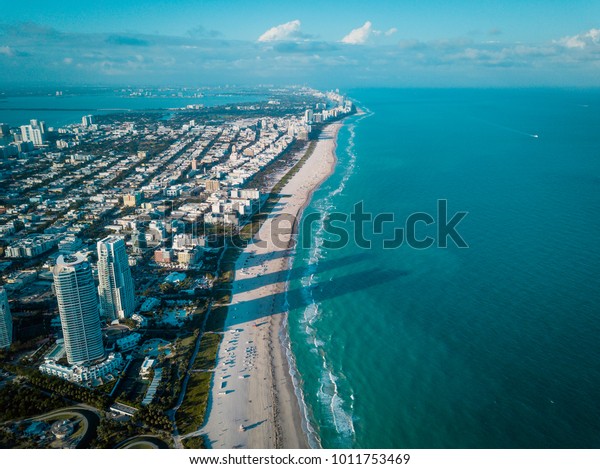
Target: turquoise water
{"type": "Point", "coordinates": [494, 346]}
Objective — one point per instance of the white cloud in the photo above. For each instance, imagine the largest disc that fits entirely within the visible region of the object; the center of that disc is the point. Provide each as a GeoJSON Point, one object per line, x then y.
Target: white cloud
{"type": "Point", "coordinates": [389, 32]}
{"type": "Point", "coordinates": [580, 41]}
{"type": "Point", "coordinates": [594, 34]}
{"type": "Point", "coordinates": [572, 42]}
{"type": "Point", "coordinates": [292, 56]}
{"type": "Point", "coordinates": [358, 35]}
{"type": "Point", "coordinates": [289, 30]}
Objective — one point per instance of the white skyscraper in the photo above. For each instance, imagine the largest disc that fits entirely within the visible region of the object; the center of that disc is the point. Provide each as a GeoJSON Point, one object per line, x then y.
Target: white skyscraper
{"type": "Point", "coordinates": [88, 120]}
{"type": "Point", "coordinates": [116, 285]}
{"type": "Point", "coordinates": [308, 116]}
{"type": "Point", "coordinates": [5, 321]}
{"type": "Point", "coordinates": [34, 132]}
{"type": "Point", "coordinates": [78, 307]}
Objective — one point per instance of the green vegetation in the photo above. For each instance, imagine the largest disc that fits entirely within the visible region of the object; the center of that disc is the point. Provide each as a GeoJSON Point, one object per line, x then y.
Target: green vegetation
{"type": "Point", "coordinates": [35, 356]}
{"type": "Point", "coordinates": [185, 346]}
{"type": "Point", "coordinates": [222, 296]}
{"type": "Point", "coordinates": [190, 415]}
{"type": "Point", "coordinates": [58, 387]}
{"type": "Point", "coordinates": [110, 433]}
{"type": "Point", "coordinates": [8, 440]}
{"type": "Point", "coordinates": [216, 320]}
{"type": "Point", "coordinates": [132, 388]}
{"type": "Point", "coordinates": [251, 228]}
{"type": "Point", "coordinates": [207, 355]}
{"type": "Point", "coordinates": [292, 172]}
{"type": "Point", "coordinates": [22, 401]}
{"type": "Point", "coordinates": [154, 416]}
{"type": "Point", "coordinates": [69, 390]}
{"type": "Point", "coordinates": [195, 442]}
{"type": "Point", "coordinates": [227, 274]}
{"type": "Point", "coordinates": [107, 387]}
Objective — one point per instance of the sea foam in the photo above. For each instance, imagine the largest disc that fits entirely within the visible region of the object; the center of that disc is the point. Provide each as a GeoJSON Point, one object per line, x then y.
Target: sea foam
{"type": "Point", "coordinates": [330, 394]}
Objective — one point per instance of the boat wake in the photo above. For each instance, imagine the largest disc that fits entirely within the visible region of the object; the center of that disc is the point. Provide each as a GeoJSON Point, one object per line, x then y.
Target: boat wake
{"type": "Point", "coordinates": [508, 129]}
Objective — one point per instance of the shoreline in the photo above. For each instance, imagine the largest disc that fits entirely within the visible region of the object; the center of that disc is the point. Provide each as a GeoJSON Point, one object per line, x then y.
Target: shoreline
{"type": "Point", "coordinates": [311, 435]}
{"type": "Point", "coordinates": [253, 365]}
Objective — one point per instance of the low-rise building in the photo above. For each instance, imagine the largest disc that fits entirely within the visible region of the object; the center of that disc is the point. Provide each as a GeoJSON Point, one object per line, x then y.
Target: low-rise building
{"type": "Point", "coordinates": [163, 256]}
{"type": "Point", "coordinates": [132, 200]}
{"type": "Point", "coordinates": [147, 367]}
{"type": "Point", "coordinates": [149, 304]}
{"type": "Point", "coordinates": [141, 320]}
{"type": "Point", "coordinates": [112, 364]}
{"type": "Point", "coordinates": [32, 246]}
{"type": "Point", "coordinates": [128, 342]}
{"type": "Point", "coordinates": [189, 257]}
{"type": "Point", "coordinates": [175, 277]}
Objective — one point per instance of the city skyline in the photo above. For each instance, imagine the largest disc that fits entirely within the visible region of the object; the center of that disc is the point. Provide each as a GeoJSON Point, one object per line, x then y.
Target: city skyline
{"type": "Point", "coordinates": [390, 44]}
{"type": "Point", "coordinates": [223, 225]}
{"type": "Point", "coordinates": [178, 193]}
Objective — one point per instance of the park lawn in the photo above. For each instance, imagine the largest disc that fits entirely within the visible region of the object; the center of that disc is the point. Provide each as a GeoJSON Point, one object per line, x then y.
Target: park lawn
{"type": "Point", "coordinates": [190, 415]}
{"type": "Point", "coordinates": [207, 354]}
{"type": "Point", "coordinates": [194, 442]}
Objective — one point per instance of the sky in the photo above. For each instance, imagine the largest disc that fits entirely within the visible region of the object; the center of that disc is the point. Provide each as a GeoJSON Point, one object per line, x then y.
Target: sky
{"type": "Point", "coordinates": [318, 43]}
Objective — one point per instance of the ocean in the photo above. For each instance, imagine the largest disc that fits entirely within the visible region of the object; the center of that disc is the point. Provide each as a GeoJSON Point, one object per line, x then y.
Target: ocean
{"type": "Point", "coordinates": [491, 346]}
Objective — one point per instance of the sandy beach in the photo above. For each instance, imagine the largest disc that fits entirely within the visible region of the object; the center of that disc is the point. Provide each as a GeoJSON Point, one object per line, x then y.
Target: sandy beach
{"type": "Point", "coordinates": [253, 404]}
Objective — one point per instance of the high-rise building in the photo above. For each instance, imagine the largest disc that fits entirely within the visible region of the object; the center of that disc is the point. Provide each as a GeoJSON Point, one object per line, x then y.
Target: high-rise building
{"type": "Point", "coordinates": [36, 124]}
{"type": "Point", "coordinates": [5, 321]}
{"type": "Point", "coordinates": [116, 285]}
{"type": "Point", "coordinates": [34, 132]}
{"type": "Point", "coordinates": [88, 120]}
{"type": "Point", "coordinates": [4, 130]}
{"type": "Point", "coordinates": [212, 185]}
{"type": "Point", "coordinates": [78, 307]}
{"type": "Point", "coordinates": [308, 116]}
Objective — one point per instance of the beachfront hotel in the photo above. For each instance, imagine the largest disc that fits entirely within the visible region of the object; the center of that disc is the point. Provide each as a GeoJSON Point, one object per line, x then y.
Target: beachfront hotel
{"type": "Point", "coordinates": [116, 289]}
{"type": "Point", "coordinates": [78, 308]}
{"type": "Point", "coordinates": [5, 321]}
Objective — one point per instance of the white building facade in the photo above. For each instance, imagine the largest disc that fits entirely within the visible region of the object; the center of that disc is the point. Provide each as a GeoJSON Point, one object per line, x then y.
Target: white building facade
{"type": "Point", "coordinates": [117, 300]}
{"type": "Point", "coordinates": [78, 306]}
{"type": "Point", "coordinates": [34, 132]}
{"type": "Point", "coordinates": [83, 373]}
